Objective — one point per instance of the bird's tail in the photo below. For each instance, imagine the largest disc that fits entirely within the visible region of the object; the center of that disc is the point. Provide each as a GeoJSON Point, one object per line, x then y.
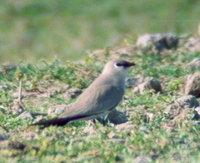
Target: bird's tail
{"type": "Point", "coordinates": [52, 122]}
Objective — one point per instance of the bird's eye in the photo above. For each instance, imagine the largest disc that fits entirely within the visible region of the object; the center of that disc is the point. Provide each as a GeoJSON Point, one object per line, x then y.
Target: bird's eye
{"type": "Point", "coordinates": [118, 64]}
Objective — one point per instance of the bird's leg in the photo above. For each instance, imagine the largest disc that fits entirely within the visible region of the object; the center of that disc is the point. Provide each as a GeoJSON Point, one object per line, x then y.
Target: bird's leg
{"type": "Point", "coordinates": [103, 121]}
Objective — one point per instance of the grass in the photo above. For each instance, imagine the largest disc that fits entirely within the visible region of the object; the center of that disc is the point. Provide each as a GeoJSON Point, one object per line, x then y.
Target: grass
{"type": "Point", "coordinates": [41, 37]}
{"type": "Point", "coordinates": [76, 142]}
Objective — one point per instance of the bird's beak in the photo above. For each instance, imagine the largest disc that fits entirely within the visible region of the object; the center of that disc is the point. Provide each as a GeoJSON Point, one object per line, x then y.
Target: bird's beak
{"type": "Point", "coordinates": [132, 64]}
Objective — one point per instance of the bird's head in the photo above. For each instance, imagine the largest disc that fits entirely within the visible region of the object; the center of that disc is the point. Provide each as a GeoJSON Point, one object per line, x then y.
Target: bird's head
{"type": "Point", "coordinates": [117, 67]}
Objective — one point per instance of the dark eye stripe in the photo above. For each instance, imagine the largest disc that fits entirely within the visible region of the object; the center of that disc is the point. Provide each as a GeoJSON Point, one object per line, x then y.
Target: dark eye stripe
{"type": "Point", "coordinates": [124, 64]}
{"type": "Point", "coordinates": [119, 64]}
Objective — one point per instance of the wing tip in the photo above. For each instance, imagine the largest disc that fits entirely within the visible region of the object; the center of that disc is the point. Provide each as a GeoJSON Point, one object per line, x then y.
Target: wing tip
{"type": "Point", "coordinates": [52, 122]}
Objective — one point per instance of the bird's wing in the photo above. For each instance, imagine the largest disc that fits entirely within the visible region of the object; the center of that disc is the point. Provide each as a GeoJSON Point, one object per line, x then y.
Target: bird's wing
{"type": "Point", "coordinates": [95, 101]}
{"type": "Point", "coordinates": [92, 103]}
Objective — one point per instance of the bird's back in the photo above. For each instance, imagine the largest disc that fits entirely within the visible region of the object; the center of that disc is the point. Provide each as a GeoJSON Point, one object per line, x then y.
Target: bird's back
{"type": "Point", "coordinates": [97, 98]}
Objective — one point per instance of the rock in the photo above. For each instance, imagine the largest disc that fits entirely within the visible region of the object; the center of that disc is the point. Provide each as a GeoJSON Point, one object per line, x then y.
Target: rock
{"type": "Point", "coordinates": [4, 136]}
{"type": "Point", "coordinates": [134, 81]}
{"type": "Point", "coordinates": [117, 117]}
{"type": "Point", "coordinates": [25, 116]}
{"type": "Point", "coordinates": [149, 116]}
{"type": "Point", "coordinates": [176, 107]}
{"type": "Point", "coordinates": [150, 84]}
{"type": "Point", "coordinates": [11, 144]}
{"type": "Point", "coordinates": [142, 159]}
{"type": "Point", "coordinates": [178, 112]}
{"type": "Point", "coordinates": [192, 86]}
{"type": "Point", "coordinates": [194, 64]}
{"type": "Point", "coordinates": [158, 42]}
{"type": "Point", "coordinates": [39, 118]}
{"type": "Point", "coordinates": [72, 93]}
{"type": "Point", "coordinates": [193, 44]}
{"type": "Point", "coordinates": [145, 41]}
{"type": "Point", "coordinates": [197, 113]}
{"type": "Point", "coordinates": [7, 67]}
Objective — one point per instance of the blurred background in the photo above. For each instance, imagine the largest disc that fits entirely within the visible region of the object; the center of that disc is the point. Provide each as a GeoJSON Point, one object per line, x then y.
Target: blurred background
{"type": "Point", "coordinates": [31, 30]}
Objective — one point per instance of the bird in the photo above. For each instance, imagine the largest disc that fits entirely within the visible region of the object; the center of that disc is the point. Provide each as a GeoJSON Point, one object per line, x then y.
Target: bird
{"type": "Point", "coordinates": [99, 99]}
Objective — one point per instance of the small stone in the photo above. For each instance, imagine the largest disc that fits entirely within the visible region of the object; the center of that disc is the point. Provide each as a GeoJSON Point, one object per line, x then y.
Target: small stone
{"type": "Point", "coordinates": [4, 136]}
{"type": "Point", "coordinates": [149, 116]}
{"type": "Point", "coordinates": [142, 159]}
{"type": "Point", "coordinates": [5, 68]}
{"type": "Point", "coordinates": [25, 116]}
{"type": "Point", "coordinates": [11, 144]}
{"type": "Point", "coordinates": [158, 42]}
{"type": "Point", "coordinates": [39, 118]}
{"type": "Point", "coordinates": [176, 107]}
{"type": "Point", "coordinates": [193, 44]}
{"type": "Point", "coordinates": [117, 117]}
{"type": "Point", "coordinates": [197, 113]}
{"type": "Point", "coordinates": [150, 84]}
{"type": "Point", "coordinates": [194, 64]}
{"type": "Point", "coordinates": [192, 86]}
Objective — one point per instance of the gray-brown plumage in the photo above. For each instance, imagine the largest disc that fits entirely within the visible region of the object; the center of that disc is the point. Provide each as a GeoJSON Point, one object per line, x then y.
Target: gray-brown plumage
{"type": "Point", "coordinates": [100, 98]}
